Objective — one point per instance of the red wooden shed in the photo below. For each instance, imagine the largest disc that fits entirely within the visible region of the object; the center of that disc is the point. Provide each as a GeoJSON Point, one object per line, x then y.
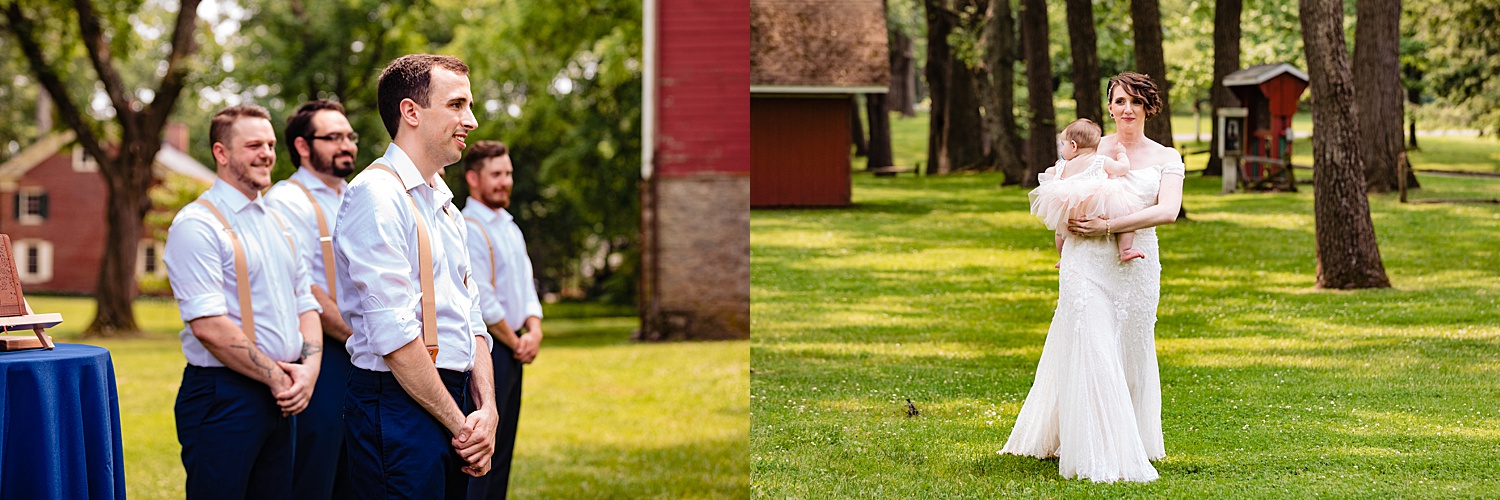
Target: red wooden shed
{"type": "Point", "coordinates": [1270, 93]}
{"type": "Point", "coordinates": [806, 60]}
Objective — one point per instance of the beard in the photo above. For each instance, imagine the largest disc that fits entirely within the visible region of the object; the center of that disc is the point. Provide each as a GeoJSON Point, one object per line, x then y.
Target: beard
{"type": "Point", "coordinates": [241, 171]}
{"type": "Point", "coordinates": [339, 164]}
{"type": "Point", "coordinates": [496, 199]}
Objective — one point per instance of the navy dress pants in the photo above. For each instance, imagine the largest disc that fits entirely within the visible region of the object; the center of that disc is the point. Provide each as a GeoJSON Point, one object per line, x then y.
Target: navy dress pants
{"type": "Point", "coordinates": [321, 471]}
{"type": "Point", "coordinates": [495, 485]}
{"type": "Point", "coordinates": [397, 449]}
{"type": "Point", "coordinates": [235, 443]}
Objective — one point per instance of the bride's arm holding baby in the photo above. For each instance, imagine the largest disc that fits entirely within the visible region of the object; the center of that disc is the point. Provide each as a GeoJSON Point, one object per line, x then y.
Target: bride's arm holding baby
{"type": "Point", "coordinates": [1168, 203]}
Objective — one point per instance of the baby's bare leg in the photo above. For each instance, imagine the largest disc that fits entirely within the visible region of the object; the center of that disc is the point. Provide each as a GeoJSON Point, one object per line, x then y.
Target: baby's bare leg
{"type": "Point", "coordinates": [1126, 242]}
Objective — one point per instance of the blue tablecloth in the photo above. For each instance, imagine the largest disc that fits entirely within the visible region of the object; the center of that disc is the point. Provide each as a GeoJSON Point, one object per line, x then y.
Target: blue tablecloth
{"type": "Point", "coordinates": [60, 424]}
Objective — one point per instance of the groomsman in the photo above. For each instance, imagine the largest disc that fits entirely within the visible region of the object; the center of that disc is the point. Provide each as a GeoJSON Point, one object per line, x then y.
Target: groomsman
{"type": "Point", "coordinates": [506, 295]}
{"type": "Point", "coordinates": [253, 343]}
{"type": "Point", "coordinates": [322, 147]}
{"type": "Point", "coordinates": [421, 388]}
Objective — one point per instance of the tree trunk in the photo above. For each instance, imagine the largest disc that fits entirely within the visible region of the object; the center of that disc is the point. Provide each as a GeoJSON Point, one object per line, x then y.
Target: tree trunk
{"type": "Point", "coordinates": [128, 203]}
{"type": "Point", "coordinates": [857, 128]}
{"type": "Point", "coordinates": [1042, 142]}
{"type": "Point", "coordinates": [1085, 48]}
{"type": "Point", "coordinates": [879, 154]}
{"type": "Point", "coordinates": [1347, 254]}
{"type": "Point", "coordinates": [940, 23]}
{"type": "Point", "coordinates": [955, 135]}
{"type": "Point", "coordinates": [1378, 93]}
{"type": "Point", "coordinates": [1226, 61]}
{"type": "Point", "coordinates": [903, 96]}
{"type": "Point", "coordinates": [1413, 96]}
{"type": "Point", "coordinates": [1145, 15]}
{"type": "Point", "coordinates": [997, 88]}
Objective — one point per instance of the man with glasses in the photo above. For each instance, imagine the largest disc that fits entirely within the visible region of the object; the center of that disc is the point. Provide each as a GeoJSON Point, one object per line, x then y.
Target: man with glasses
{"type": "Point", "coordinates": [322, 146]}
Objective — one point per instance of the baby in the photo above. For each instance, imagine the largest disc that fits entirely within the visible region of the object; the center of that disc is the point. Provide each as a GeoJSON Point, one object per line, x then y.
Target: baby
{"type": "Point", "coordinates": [1086, 184]}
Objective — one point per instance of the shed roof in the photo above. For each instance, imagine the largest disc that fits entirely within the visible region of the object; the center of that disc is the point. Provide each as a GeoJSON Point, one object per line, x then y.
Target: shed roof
{"type": "Point", "coordinates": [1256, 75]}
{"type": "Point", "coordinates": [818, 46]}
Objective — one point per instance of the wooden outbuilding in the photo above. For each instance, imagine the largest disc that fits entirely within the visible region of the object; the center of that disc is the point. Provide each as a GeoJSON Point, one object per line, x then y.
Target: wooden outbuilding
{"type": "Point", "coordinates": [806, 60]}
{"type": "Point", "coordinates": [1269, 93]}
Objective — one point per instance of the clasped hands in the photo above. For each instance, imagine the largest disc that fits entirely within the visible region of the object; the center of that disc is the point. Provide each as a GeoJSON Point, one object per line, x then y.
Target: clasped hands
{"type": "Point", "coordinates": [475, 441]}
{"type": "Point", "coordinates": [295, 391]}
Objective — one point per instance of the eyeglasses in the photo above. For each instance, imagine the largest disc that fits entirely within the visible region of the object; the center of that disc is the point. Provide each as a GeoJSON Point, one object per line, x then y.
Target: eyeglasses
{"type": "Point", "coordinates": [353, 137]}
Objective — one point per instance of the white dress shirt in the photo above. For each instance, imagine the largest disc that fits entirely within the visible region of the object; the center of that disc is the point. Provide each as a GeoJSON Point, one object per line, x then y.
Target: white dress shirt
{"type": "Point", "coordinates": [297, 211]}
{"type": "Point", "coordinates": [513, 296]}
{"type": "Point", "coordinates": [375, 251]}
{"type": "Point", "coordinates": [200, 264]}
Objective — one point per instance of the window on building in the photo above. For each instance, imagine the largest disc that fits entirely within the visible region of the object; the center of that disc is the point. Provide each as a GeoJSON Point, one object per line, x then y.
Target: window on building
{"type": "Point", "coordinates": [148, 259]}
{"type": "Point", "coordinates": [33, 261]}
{"type": "Point", "coordinates": [31, 206]}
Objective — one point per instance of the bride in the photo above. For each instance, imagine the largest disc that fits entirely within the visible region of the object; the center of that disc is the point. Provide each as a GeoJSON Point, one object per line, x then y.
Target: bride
{"type": "Point", "coordinates": [1096, 401]}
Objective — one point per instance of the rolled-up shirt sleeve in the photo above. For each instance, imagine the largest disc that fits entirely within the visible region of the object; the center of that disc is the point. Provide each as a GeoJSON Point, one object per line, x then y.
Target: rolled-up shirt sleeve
{"type": "Point", "coordinates": [484, 274]}
{"type": "Point", "coordinates": [533, 303]}
{"type": "Point", "coordinates": [303, 279]}
{"type": "Point", "coordinates": [194, 267]}
{"type": "Point", "coordinates": [372, 233]}
{"type": "Point", "coordinates": [477, 325]}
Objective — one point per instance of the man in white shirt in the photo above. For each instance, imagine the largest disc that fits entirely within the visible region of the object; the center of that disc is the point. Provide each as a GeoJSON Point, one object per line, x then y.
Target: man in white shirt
{"type": "Point", "coordinates": [507, 296]}
{"type": "Point", "coordinates": [322, 145]}
{"type": "Point", "coordinates": [421, 358]}
{"type": "Point", "coordinates": [250, 319]}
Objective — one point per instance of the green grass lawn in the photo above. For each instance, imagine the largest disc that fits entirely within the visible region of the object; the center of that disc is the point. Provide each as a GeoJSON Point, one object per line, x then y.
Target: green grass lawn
{"type": "Point", "coordinates": [941, 289]}
{"type": "Point", "coordinates": [602, 417]}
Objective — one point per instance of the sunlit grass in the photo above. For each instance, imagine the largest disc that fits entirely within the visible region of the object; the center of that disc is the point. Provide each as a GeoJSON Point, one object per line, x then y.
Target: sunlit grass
{"type": "Point", "coordinates": [602, 417]}
{"type": "Point", "coordinates": [941, 289]}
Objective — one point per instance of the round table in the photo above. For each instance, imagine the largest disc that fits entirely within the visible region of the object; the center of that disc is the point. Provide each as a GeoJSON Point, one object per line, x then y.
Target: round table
{"type": "Point", "coordinates": [60, 424]}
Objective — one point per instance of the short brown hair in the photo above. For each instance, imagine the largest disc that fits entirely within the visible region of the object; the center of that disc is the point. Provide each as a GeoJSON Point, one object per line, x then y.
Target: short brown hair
{"type": "Point", "coordinates": [1084, 132]}
{"type": "Point", "coordinates": [300, 124]}
{"type": "Point", "coordinates": [1138, 86]}
{"type": "Point", "coordinates": [481, 151]}
{"type": "Point", "coordinates": [223, 121]}
{"type": "Point", "coordinates": [410, 77]}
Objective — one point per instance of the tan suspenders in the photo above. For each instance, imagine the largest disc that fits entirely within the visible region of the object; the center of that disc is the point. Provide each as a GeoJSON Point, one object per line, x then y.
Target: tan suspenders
{"type": "Point", "coordinates": [241, 273]}
{"type": "Point", "coordinates": [488, 244]}
{"type": "Point", "coordinates": [242, 268]}
{"type": "Point", "coordinates": [424, 259]}
{"type": "Point", "coordinates": [325, 238]}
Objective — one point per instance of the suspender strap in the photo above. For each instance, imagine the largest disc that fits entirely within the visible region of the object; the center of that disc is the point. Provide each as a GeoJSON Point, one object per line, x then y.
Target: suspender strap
{"type": "Point", "coordinates": [424, 260]}
{"type": "Point", "coordinates": [241, 273]}
{"type": "Point", "coordinates": [488, 244]}
{"type": "Point", "coordinates": [325, 238]}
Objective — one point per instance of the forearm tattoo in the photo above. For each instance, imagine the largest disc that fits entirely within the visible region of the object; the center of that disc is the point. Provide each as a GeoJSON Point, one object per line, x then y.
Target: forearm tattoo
{"type": "Point", "coordinates": [311, 348]}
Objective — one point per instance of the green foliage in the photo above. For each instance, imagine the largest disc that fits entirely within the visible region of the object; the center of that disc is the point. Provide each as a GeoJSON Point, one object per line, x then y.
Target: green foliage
{"type": "Point", "coordinates": [941, 290]}
{"type": "Point", "coordinates": [604, 417]}
{"type": "Point", "coordinates": [560, 84]}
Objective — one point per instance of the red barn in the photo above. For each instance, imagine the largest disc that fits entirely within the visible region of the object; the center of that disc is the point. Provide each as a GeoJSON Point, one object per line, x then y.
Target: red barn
{"type": "Point", "coordinates": [695, 171]}
{"type": "Point", "coordinates": [52, 206]}
{"type": "Point", "coordinates": [806, 60]}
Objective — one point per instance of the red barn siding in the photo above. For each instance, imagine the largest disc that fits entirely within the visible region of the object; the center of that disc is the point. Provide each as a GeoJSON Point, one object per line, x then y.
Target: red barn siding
{"type": "Point", "coordinates": [799, 151]}
{"type": "Point", "coordinates": [75, 223]}
{"type": "Point", "coordinates": [704, 92]}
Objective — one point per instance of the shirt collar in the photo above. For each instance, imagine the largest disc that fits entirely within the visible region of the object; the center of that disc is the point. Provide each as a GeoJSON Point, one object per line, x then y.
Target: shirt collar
{"type": "Point", "coordinates": [230, 197]}
{"type": "Point", "coordinates": [410, 176]}
{"type": "Point", "coordinates": [489, 213]}
{"type": "Point", "coordinates": [306, 176]}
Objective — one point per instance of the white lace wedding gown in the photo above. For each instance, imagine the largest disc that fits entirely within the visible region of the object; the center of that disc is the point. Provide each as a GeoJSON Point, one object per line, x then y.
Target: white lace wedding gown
{"type": "Point", "coordinates": [1096, 401]}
